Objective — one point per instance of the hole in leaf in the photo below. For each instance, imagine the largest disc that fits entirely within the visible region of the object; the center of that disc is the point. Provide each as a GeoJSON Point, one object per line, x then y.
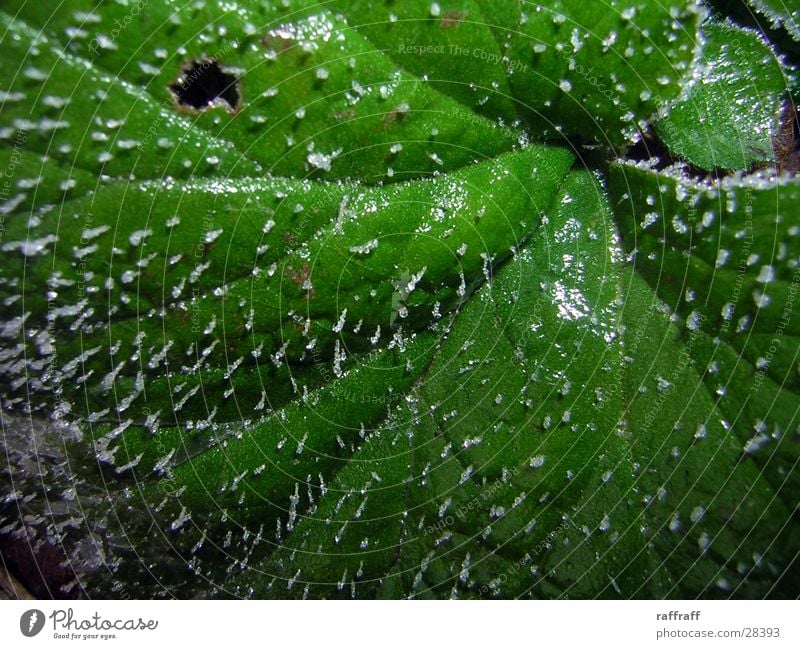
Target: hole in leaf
{"type": "Point", "coordinates": [204, 84]}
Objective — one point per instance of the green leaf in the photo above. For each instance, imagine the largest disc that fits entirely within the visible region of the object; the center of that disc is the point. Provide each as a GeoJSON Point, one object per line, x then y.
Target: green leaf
{"type": "Point", "coordinates": [64, 108]}
{"type": "Point", "coordinates": [167, 294]}
{"type": "Point", "coordinates": [723, 260]}
{"type": "Point", "coordinates": [567, 69]}
{"type": "Point", "coordinates": [517, 482]}
{"type": "Point", "coordinates": [317, 99]}
{"type": "Point", "coordinates": [781, 13]}
{"type": "Point", "coordinates": [731, 115]}
{"type": "Point", "coordinates": [306, 302]}
{"type": "Point", "coordinates": [723, 256]}
{"type": "Point", "coordinates": [504, 484]}
{"type": "Point", "coordinates": [41, 181]}
{"type": "Point", "coordinates": [451, 44]}
{"type": "Point", "coordinates": [595, 71]}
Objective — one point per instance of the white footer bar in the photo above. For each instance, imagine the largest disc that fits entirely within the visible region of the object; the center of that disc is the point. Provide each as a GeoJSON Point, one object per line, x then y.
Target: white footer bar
{"type": "Point", "coordinates": [402, 624]}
